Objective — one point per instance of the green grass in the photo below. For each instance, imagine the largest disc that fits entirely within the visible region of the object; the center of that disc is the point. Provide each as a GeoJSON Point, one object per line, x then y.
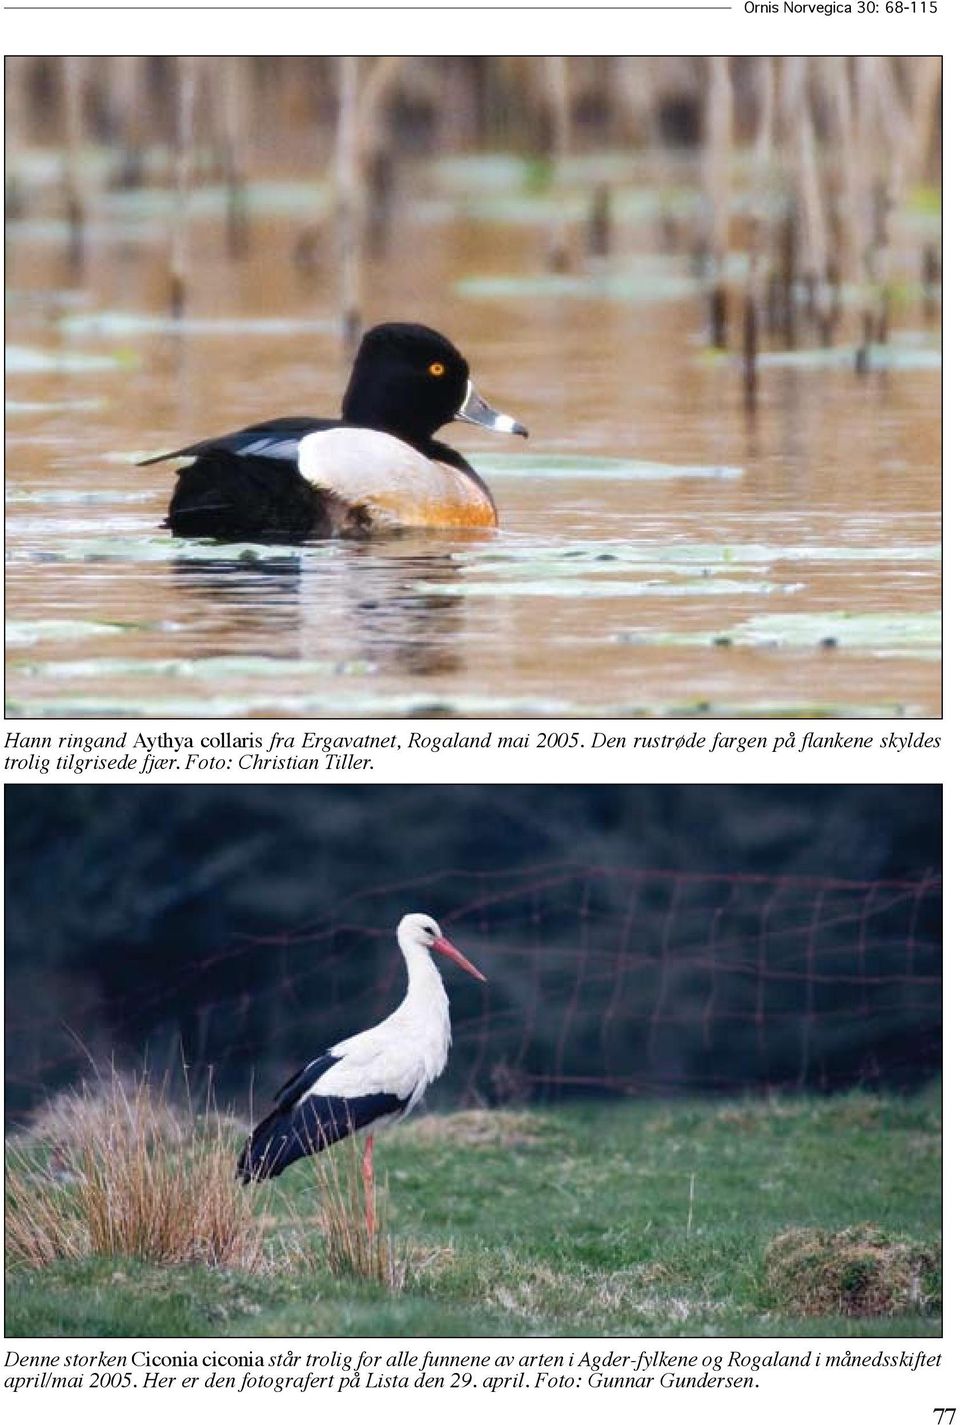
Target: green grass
{"type": "Point", "coordinates": [559, 1222]}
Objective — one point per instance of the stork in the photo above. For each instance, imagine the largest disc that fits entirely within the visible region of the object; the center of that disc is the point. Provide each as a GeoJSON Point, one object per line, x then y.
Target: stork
{"type": "Point", "coordinates": [370, 1080]}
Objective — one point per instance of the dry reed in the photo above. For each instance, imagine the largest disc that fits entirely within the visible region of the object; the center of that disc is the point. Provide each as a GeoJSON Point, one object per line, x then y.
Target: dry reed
{"type": "Point", "coordinates": [348, 1249]}
{"type": "Point", "coordinates": [74, 78]}
{"type": "Point", "coordinates": [234, 119]}
{"type": "Point", "coordinates": [187, 77]}
{"type": "Point", "coordinates": [559, 252]}
{"type": "Point", "coordinates": [350, 197]}
{"type": "Point", "coordinates": [717, 155]}
{"type": "Point", "coordinates": [837, 142]}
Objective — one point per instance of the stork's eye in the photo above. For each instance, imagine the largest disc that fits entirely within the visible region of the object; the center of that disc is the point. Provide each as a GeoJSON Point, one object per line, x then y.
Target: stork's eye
{"type": "Point", "coordinates": [437, 368]}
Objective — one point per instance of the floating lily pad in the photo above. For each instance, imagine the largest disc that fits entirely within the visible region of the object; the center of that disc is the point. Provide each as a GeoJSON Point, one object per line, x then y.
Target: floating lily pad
{"type": "Point", "coordinates": [496, 172]}
{"type": "Point", "coordinates": [673, 638]}
{"type": "Point", "coordinates": [493, 171]}
{"type": "Point", "coordinates": [536, 205]}
{"type": "Point", "coordinates": [23, 633]}
{"type": "Point", "coordinates": [43, 167]}
{"type": "Point", "coordinates": [348, 703]}
{"type": "Point", "coordinates": [763, 707]}
{"type": "Point", "coordinates": [680, 553]}
{"type": "Point", "coordinates": [510, 209]}
{"type": "Point", "coordinates": [881, 357]}
{"type": "Point", "coordinates": [132, 324]}
{"type": "Point", "coordinates": [594, 467]}
{"type": "Point", "coordinates": [601, 558]}
{"type": "Point", "coordinates": [160, 548]}
{"type": "Point", "coordinates": [57, 232]}
{"type": "Point", "coordinates": [889, 635]}
{"type": "Point", "coordinates": [217, 669]}
{"type": "Point", "coordinates": [79, 497]}
{"type": "Point", "coordinates": [528, 207]}
{"type": "Point", "coordinates": [838, 554]}
{"type": "Point", "coordinates": [652, 204]}
{"type": "Point", "coordinates": [592, 286]}
{"type": "Point", "coordinates": [591, 588]}
{"type": "Point", "coordinates": [31, 361]}
{"type": "Point", "coordinates": [914, 634]}
{"type": "Point", "coordinates": [565, 569]}
{"type": "Point", "coordinates": [679, 556]}
{"type": "Point", "coordinates": [210, 200]}
{"type": "Point", "coordinates": [52, 408]}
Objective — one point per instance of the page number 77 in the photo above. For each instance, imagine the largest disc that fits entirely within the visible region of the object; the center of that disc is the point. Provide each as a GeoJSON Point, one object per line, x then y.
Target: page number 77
{"type": "Point", "coordinates": [945, 1414]}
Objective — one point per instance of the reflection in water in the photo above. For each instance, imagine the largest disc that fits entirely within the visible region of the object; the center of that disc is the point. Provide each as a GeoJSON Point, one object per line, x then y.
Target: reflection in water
{"type": "Point", "coordinates": [246, 600]}
{"type": "Point", "coordinates": [372, 600]}
{"type": "Point", "coordinates": [393, 616]}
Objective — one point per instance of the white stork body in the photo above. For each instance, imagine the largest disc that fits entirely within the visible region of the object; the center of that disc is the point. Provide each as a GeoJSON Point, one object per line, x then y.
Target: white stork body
{"type": "Point", "coordinates": [404, 1053]}
{"type": "Point", "coordinates": [370, 1080]}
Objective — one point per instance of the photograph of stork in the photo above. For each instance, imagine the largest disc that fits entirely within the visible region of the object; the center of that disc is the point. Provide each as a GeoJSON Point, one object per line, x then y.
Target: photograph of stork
{"type": "Point", "coordinates": [473, 1060]}
{"type": "Point", "coordinates": [478, 386]}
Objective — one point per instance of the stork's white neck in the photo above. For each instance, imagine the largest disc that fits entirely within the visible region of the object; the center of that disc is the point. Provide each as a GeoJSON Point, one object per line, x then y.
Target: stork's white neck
{"type": "Point", "coordinates": [424, 981]}
{"type": "Point", "coordinates": [425, 1008]}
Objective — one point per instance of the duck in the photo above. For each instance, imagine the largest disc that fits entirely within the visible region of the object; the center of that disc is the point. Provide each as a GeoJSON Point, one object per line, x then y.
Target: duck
{"type": "Point", "coordinates": [378, 469]}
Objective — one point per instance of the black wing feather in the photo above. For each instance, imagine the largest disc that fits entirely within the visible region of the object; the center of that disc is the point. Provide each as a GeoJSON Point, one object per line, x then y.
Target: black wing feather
{"type": "Point", "coordinates": [298, 1083]}
{"type": "Point", "coordinates": [305, 1123]}
{"type": "Point", "coordinates": [283, 431]}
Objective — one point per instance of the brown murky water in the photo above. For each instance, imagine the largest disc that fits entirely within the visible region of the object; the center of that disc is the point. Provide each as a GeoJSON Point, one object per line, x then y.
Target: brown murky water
{"type": "Point", "coordinates": [659, 553]}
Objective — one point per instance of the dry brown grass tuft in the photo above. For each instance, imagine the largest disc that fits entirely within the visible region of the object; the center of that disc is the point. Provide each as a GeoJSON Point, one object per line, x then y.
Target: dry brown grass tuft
{"type": "Point", "coordinates": [40, 1226]}
{"type": "Point", "coordinates": [76, 1116]}
{"type": "Point", "coordinates": [859, 1271]}
{"type": "Point", "coordinates": [348, 1249]}
{"type": "Point", "coordinates": [125, 1174]}
{"type": "Point", "coordinates": [479, 1128]}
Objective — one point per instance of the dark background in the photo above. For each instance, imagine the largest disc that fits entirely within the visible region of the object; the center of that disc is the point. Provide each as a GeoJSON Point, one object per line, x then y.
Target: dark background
{"type": "Point", "coordinates": [637, 939]}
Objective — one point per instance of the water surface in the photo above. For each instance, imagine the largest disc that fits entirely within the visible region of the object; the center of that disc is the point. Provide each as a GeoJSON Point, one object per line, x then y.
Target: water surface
{"type": "Point", "coordinates": [660, 553]}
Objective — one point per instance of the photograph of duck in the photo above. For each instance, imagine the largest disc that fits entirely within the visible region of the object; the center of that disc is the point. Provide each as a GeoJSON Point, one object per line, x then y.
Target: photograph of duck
{"type": "Point", "coordinates": [631, 1061]}
{"type": "Point", "coordinates": [253, 302]}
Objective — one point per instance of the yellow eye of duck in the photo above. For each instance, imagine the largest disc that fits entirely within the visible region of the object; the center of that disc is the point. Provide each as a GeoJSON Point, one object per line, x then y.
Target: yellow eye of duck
{"type": "Point", "coordinates": [437, 368]}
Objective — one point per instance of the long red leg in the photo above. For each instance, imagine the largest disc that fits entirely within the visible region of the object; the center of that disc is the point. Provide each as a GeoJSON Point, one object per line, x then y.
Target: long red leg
{"type": "Point", "coordinates": [369, 1187]}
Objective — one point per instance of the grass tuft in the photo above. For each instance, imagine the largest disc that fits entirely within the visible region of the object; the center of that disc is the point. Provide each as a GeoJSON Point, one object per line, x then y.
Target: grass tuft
{"type": "Point", "coordinates": [347, 1248]}
{"type": "Point", "coordinates": [114, 1170]}
{"type": "Point", "coordinates": [40, 1227]}
{"type": "Point", "coordinates": [859, 1271]}
{"type": "Point", "coordinates": [64, 1123]}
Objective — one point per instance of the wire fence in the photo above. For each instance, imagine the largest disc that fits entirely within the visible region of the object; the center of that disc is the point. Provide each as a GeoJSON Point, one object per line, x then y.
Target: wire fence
{"type": "Point", "coordinates": [601, 980]}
